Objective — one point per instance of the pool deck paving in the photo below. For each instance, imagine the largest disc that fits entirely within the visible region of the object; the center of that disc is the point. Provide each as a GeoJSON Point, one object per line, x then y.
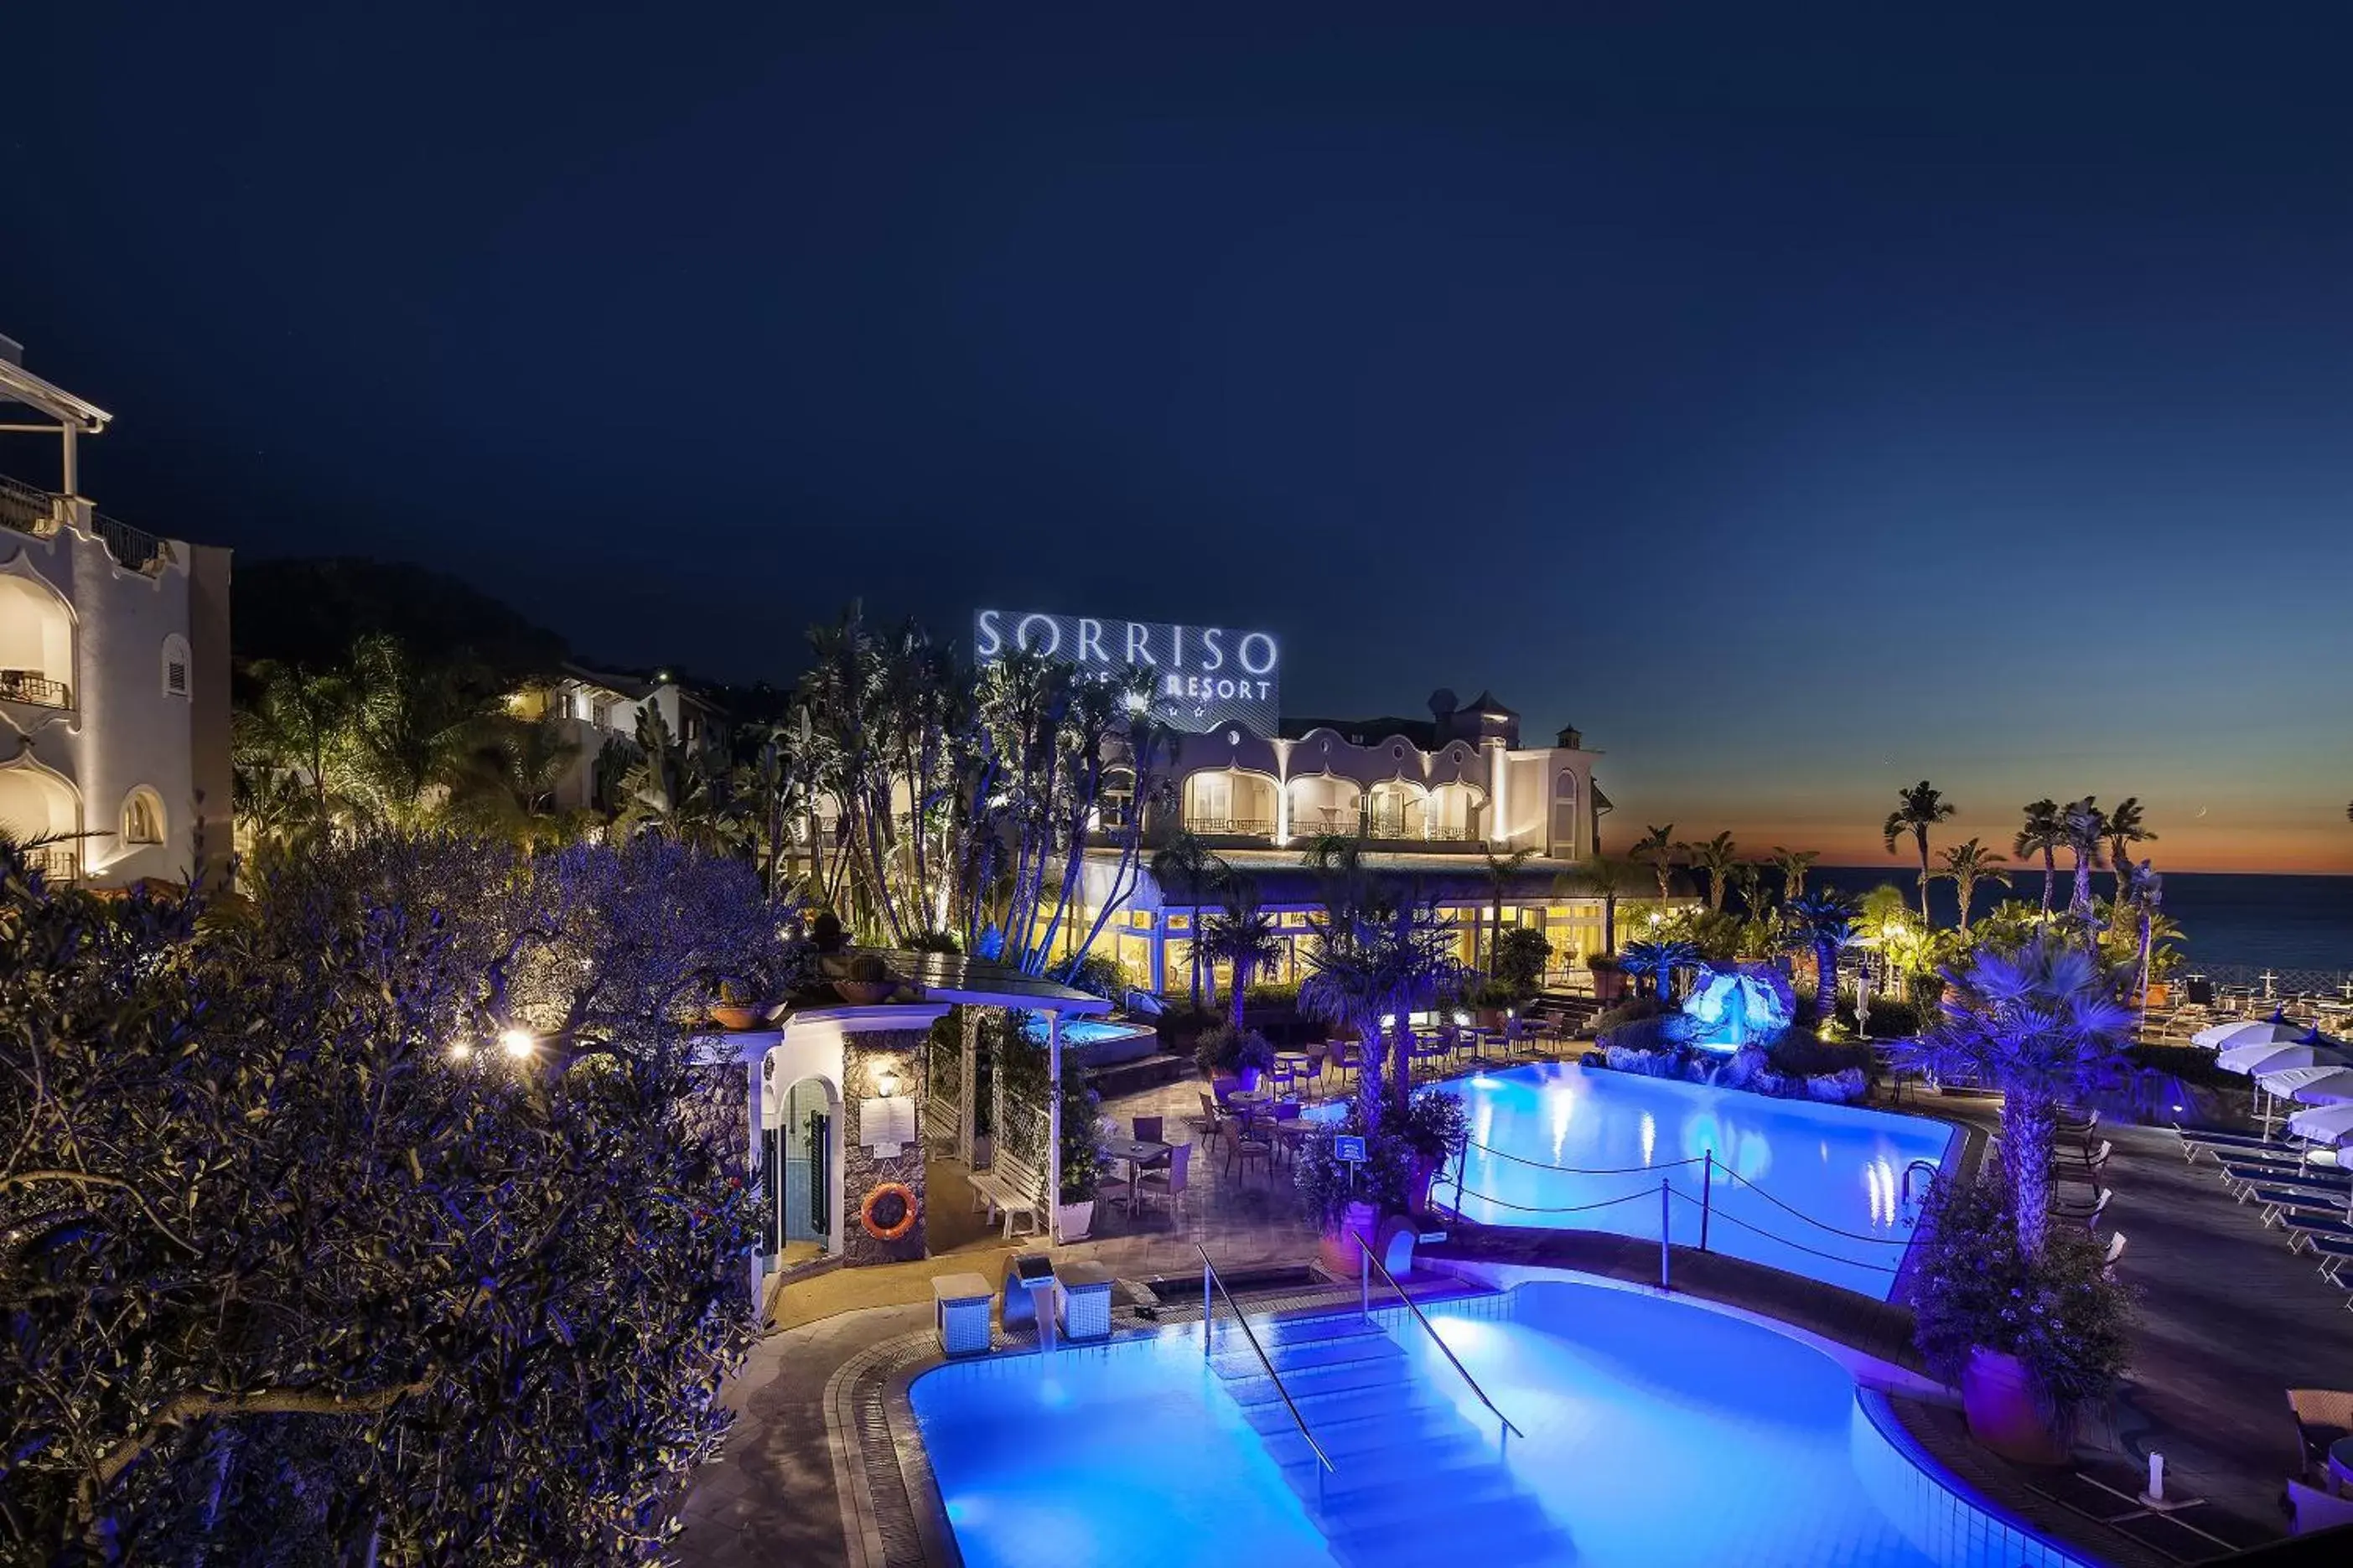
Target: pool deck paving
{"type": "Point", "coordinates": [2228, 1320]}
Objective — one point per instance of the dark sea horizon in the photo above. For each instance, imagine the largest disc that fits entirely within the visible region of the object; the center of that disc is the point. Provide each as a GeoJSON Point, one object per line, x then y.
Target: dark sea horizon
{"type": "Point", "coordinates": [2301, 922]}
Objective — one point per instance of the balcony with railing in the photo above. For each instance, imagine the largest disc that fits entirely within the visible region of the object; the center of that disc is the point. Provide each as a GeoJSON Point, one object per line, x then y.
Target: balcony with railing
{"type": "Point", "coordinates": [56, 862]}
{"type": "Point", "coordinates": [26, 509]}
{"type": "Point", "coordinates": [1231, 826]}
{"type": "Point", "coordinates": [31, 686]}
{"type": "Point", "coordinates": [134, 549]}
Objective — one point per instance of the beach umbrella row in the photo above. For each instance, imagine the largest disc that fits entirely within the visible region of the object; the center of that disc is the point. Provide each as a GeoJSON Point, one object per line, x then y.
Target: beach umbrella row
{"type": "Point", "coordinates": [2244, 1032]}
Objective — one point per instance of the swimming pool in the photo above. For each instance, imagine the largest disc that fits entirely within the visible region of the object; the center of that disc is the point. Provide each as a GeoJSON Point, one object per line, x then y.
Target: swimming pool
{"type": "Point", "coordinates": [1814, 1189]}
{"type": "Point", "coordinates": [1655, 1433]}
{"type": "Point", "coordinates": [1101, 1042]}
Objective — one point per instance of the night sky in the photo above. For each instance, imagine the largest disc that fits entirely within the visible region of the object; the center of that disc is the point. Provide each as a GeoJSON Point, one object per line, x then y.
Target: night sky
{"type": "Point", "coordinates": [1800, 402]}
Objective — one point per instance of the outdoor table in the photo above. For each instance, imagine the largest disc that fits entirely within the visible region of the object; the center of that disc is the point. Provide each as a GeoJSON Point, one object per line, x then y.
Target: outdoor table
{"type": "Point", "coordinates": [1137, 1153]}
{"type": "Point", "coordinates": [2340, 1465]}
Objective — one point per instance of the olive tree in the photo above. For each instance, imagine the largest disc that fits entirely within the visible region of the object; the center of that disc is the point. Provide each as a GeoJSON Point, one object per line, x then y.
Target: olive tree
{"type": "Point", "coordinates": [390, 1216]}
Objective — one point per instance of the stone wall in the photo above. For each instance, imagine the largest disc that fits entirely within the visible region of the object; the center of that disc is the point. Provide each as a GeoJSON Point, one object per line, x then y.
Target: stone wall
{"type": "Point", "coordinates": [865, 1058]}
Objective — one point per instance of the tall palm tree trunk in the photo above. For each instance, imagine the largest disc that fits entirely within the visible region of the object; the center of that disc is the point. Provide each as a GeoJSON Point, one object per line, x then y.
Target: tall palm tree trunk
{"type": "Point", "coordinates": [2029, 1129]}
{"type": "Point", "coordinates": [2080, 903]}
{"type": "Point", "coordinates": [1241, 983]}
{"type": "Point", "coordinates": [2050, 876]}
{"type": "Point", "coordinates": [1609, 923]}
{"type": "Point", "coordinates": [1826, 968]}
{"type": "Point", "coordinates": [2146, 924]}
{"type": "Point", "coordinates": [1921, 833]}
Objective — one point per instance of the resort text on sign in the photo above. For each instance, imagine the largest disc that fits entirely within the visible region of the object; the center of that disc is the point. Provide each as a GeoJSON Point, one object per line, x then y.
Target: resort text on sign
{"type": "Point", "coordinates": [1203, 678]}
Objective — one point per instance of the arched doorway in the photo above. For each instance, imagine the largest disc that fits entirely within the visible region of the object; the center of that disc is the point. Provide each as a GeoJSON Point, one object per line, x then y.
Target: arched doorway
{"type": "Point", "coordinates": [805, 1154]}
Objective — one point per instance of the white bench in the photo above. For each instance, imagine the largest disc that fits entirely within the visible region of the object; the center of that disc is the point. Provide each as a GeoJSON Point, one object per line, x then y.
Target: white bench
{"type": "Point", "coordinates": [1009, 1189]}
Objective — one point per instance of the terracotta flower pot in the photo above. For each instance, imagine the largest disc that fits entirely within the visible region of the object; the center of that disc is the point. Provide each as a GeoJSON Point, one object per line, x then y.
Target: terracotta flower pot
{"type": "Point", "coordinates": [737, 1016]}
{"type": "Point", "coordinates": [1336, 1251]}
{"type": "Point", "coordinates": [2006, 1412]}
{"type": "Point", "coordinates": [865, 993]}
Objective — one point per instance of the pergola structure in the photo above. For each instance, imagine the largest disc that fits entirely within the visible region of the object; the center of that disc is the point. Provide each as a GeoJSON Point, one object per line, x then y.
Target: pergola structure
{"type": "Point", "coordinates": [847, 1064]}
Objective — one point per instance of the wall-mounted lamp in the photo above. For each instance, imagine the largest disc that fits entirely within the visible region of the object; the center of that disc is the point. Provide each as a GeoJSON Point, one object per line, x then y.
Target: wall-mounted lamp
{"type": "Point", "coordinates": [886, 1082]}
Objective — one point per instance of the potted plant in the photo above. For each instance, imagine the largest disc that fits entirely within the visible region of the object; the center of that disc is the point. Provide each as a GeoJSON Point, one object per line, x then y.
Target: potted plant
{"type": "Point", "coordinates": [1082, 1161]}
{"type": "Point", "coordinates": [741, 1005]}
{"type": "Point", "coordinates": [1344, 1198]}
{"type": "Point", "coordinates": [1253, 1057]}
{"type": "Point", "coordinates": [868, 982]}
{"type": "Point", "coordinates": [1433, 1128]}
{"type": "Point", "coordinates": [2027, 1338]}
{"type": "Point", "coordinates": [1609, 978]}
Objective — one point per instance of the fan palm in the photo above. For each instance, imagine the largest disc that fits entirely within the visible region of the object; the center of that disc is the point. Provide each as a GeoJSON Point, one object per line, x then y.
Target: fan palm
{"type": "Point", "coordinates": [2143, 890]}
{"type": "Point", "coordinates": [1656, 963]}
{"type": "Point", "coordinates": [1241, 935]}
{"type": "Point", "coordinates": [2043, 1027]}
{"type": "Point", "coordinates": [1189, 872]}
{"type": "Point", "coordinates": [1825, 923]}
{"type": "Point", "coordinates": [2044, 834]}
{"type": "Point", "coordinates": [1918, 809]}
{"type": "Point", "coordinates": [1967, 865]}
{"type": "Point", "coordinates": [1794, 863]}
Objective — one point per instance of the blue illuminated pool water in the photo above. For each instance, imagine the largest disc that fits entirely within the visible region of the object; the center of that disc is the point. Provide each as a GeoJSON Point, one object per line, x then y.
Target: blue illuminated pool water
{"type": "Point", "coordinates": [1657, 1433]}
{"type": "Point", "coordinates": [1839, 1168]}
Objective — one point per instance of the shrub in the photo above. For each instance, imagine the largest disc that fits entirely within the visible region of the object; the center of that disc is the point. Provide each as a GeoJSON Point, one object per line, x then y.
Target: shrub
{"type": "Point", "coordinates": [1656, 1033]}
{"type": "Point", "coordinates": [1327, 1185]}
{"type": "Point", "coordinates": [1892, 1017]}
{"type": "Point", "coordinates": [1095, 974]}
{"type": "Point", "coordinates": [1520, 960]}
{"type": "Point", "coordinates": [1270, 994]}
{"type": "Point", "coordinates": [1631, 1010]}
{"type": "Point", "coordinates": [1082, 1151]}
{"type": "Point", "coordinates": [1222, 1053]}
{"type": "Point", "coordinates": [1800, 1054]}
{"type": "Point", "coordinates": [2058, 1314]}
{"type": "Point", "coordinates": [934, 942]}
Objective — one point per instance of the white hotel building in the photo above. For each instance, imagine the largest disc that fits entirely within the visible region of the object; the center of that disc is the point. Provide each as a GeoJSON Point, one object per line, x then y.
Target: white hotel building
{"type": "Point", "coordinates": [114, 663]}
{"type": "Point", "coordinates": [1434, 802]}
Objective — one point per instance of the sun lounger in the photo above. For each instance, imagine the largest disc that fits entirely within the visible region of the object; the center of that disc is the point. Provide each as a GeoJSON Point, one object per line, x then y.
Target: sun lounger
{"type": "Point", "coordinates": [2277, 1202]}
{"type": "Point", "coordinates": [2243, 1179]}
{"type": "Point", "coordinates": [2334, 1253]}
{"type": "Point", "coordinates": [2304, 1229]}
{"type": "Point", "coordinates": [2214, 1142]}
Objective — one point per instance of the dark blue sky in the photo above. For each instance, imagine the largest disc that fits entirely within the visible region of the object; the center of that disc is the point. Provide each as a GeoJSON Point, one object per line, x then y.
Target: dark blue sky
{"type": "Point", "coordinates": [1800, 400]}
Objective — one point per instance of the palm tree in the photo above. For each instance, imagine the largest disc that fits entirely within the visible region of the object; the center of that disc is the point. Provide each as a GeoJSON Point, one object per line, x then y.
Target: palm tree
{"type": "Point", "coordinates": [1794, 863]}
{"type": "Point", "coordinates": [1918, 809]}
{"type": "Point", "coordinates": [297, 724]}
{"type": "Point", "coordinates": [1608, 878]}
{"type": "Point", "coordinates": [1716, 857]}
{"type": "Point", "coordinates": [2125, 828]}
{"type": "Point", "coordinates": [1499, 872]}
{"type": "Point", "coordinates": [1656, 963]}
{"type": "Point", "coordinates": [2043, 1027]}
{"type": "Point", "coordinates": [1967, 865]}
{"type": "Point", "coordinates": [1656, 849]}
{"type": "Point", "coordinates": [1240, 935]}
{"type": "Point", "coordinates": [1189, 871]}
{"type": "Point", "coordinates": [2144, 891]}
{"type": "Point", "coordinates": [2085, 827]}
{"type": "Point", "coordinates": [2044, 834]}
{"type": "Point", "coordinates": [1824, 921]}
{"type": "Point", "coordinates": [1388, 957]}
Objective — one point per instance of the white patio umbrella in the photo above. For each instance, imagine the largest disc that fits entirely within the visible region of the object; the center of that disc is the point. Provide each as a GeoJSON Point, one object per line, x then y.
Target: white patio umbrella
{"type": "Point", "coordinates": [2247, 1032]}
{"type": "Point", "coordinates": [2319, 1086]}
{"type": "Point", "coordinates": [2257, 1060]}
{"type": "Point", "coordinates": [2330, 1125]}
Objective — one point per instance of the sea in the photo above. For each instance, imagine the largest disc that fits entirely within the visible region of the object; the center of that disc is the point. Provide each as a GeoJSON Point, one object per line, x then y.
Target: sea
{"type": "Point", "coordinates": [2229, 920]}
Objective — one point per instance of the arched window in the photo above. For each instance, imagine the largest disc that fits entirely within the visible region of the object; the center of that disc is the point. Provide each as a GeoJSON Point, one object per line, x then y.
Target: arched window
{"type": "Point", "coordinates": [1116, 799]}
{"type": "Point", "coordinates": [142, 818]}
{"type": "Point", "coordinates": [1564, 811]}
{"type": "Point", "coordinates": [176, 666]}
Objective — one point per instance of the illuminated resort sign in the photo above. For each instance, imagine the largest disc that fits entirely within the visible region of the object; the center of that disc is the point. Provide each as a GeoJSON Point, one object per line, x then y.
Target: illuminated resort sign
{"type": "Point", "coordinates": [1203, 678]}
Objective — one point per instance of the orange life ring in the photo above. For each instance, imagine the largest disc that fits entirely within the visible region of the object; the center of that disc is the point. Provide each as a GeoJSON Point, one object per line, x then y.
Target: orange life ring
{"type": "Point", "coordinates": [875, 1199]}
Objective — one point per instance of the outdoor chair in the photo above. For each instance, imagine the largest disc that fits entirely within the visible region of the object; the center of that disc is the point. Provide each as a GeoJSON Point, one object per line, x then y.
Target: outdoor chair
{"type": "Point", "coordinates": [1170, 1178]}
{"type": "Point", "coordinates": [1280, 1079]}
{"type": "Point", "coordinates": [2087, 1214]}
{"type": "Point", "coordinates": [1246, 1140]}
{"type": "Point", "coordinates": [1148, 1128]}
{"type": "Point", "coordinates": [2114, 1256]}
{"type": "Point", "coordinates": [2322, 1416]}
{"type": "Point", "coordinates": [1314, 1075]}
{"type": "Point", "coordinates": [1209, 1126]}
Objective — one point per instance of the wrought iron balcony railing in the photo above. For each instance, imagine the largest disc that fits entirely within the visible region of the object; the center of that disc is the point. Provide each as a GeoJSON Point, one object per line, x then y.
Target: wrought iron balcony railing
{"type": "Point", "coordinates": [57, 862]}
{"type": "Point", "coordinates": [1232, 826]}
{"type": "Point", "coordinates": [32, 686]}
{"type": "Point", "coordinates": [134, 549]}
{"type": "Point", "coordinates": [25, 508]}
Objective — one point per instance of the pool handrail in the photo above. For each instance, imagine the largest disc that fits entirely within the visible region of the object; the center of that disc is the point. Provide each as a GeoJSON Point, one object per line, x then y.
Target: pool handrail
{"type": "Point", "coordinates": [1209, 1324]}
{"type": "Point", "coordinates": [1365, 1251]}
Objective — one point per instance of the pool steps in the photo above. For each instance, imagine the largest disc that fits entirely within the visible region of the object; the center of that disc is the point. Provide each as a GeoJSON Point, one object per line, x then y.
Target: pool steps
{"type": "Point", "coordinates": [1406, 1459]}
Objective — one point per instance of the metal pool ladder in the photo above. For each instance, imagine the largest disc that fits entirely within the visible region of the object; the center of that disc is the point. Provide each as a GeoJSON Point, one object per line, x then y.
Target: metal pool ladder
{"type": "Point", "coordinates": [1365, 1267]}
{"type": "Point", "coordinates": [1210, 1281]}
